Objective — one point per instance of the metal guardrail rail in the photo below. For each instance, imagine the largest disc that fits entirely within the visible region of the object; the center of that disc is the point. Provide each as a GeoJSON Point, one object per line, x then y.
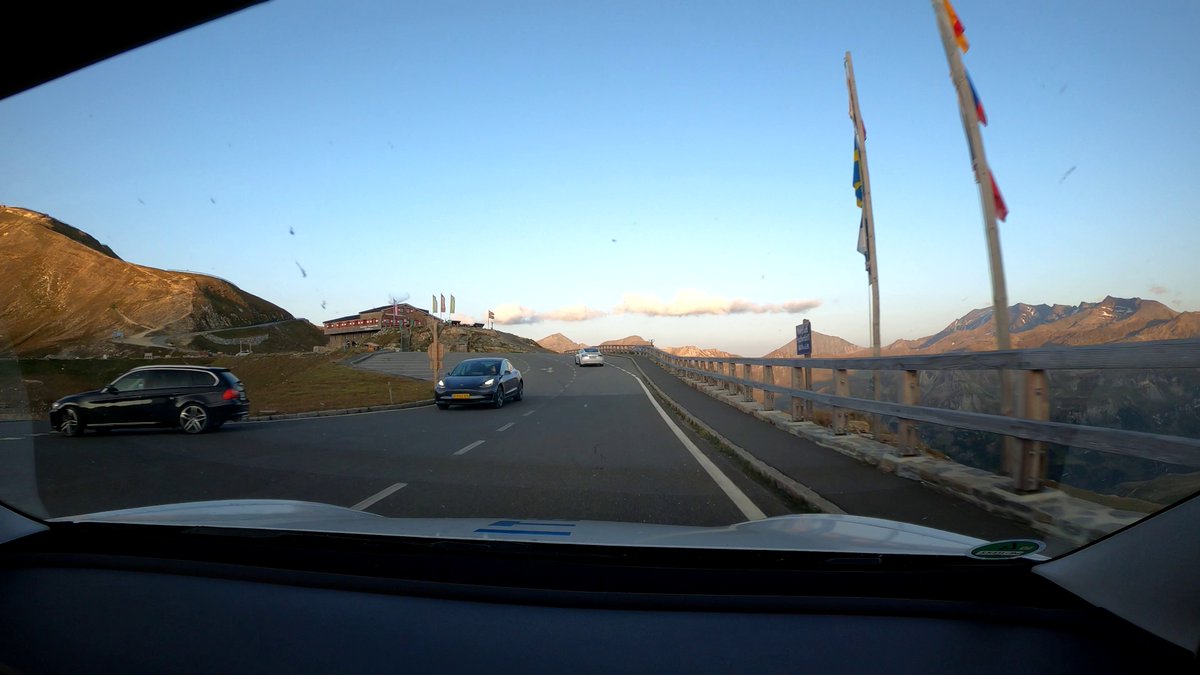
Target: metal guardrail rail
{"type": "Point", "coordinates": [1024, 458]}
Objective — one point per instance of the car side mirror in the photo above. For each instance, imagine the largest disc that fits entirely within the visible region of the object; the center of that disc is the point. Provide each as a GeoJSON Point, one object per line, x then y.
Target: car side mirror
{"type": "Point", "coordinates": [109, 389]}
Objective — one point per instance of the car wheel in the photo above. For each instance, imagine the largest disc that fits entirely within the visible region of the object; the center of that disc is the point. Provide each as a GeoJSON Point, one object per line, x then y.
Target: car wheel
{"type": "Point", "coordinates": [443, 406]}
{"type": "Point", "coordinates": [520, 391]}
{"type": "Point", "coordinates": [498, 401]}
{"type": "Point", "coordinates": [193, 418]}
{"type": "Point", "coordinates": [70, 424]}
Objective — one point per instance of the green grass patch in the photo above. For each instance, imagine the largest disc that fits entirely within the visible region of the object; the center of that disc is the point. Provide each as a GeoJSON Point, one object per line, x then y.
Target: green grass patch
{"type": "Point", "coordinates": [307, 382]}
{"type": "Point", "coordinates": [283, 383]}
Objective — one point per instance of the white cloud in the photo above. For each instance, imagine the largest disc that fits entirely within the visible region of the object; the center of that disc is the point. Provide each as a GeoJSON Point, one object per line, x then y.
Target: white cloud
{"type": "Point", "coordinates": [690, 302]}
{"type": "Point", "coordinates": [580, 312]}
{"type": "Point", "coordinates": [512, 313]}
{"type": "Point", "coordinates": [686, 303]}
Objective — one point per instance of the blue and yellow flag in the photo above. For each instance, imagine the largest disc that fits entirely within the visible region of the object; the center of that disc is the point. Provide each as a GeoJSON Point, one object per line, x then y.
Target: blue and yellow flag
{"type": "Point", "coordinates": [858, 182]}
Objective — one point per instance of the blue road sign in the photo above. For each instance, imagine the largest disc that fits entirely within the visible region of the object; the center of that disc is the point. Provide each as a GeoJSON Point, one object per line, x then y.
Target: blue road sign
{"type": "Point", "coordinates": [804, 339]}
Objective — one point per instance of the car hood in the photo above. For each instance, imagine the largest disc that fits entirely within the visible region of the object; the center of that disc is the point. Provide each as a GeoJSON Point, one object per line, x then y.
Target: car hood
{"type": "Point", "coordinates": [806, 532]}
{"type": "Point", "coordinates": [467, 381]}
{"type": "Point", "coordinates": [73, 398]}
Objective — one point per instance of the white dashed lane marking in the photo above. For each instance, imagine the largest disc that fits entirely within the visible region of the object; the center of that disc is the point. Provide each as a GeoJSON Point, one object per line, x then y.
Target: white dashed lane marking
{"type": "Point", "coordinates": [382, 494]}
{"type": "Point", "coordinates": [470, 447]}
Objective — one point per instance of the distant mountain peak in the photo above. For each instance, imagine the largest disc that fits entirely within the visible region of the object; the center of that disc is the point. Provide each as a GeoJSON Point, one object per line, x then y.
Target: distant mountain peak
{"type": "Point", "coordinates": [559, 343]}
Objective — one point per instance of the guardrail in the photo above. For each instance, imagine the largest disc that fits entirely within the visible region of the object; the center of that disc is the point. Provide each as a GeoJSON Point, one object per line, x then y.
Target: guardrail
{"type": "Point", "coordinates": [1030, 428]}
{"type": "Point", "coordinates": [610, 349]}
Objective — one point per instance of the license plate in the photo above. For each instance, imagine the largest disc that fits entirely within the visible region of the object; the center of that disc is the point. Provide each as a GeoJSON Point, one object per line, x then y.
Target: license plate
{"type": "Point", "coordinates": [460, 396]}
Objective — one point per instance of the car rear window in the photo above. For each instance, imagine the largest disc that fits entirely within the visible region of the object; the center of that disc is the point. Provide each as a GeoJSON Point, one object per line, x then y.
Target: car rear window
{"type": "Point", "coordinates": [200, 378]}
{"type": "Point", "coordinates": [231, 379]}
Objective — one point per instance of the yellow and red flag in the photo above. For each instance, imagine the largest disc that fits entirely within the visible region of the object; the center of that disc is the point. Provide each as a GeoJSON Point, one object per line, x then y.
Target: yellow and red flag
{"type": "Point", "coordinates": [959, 37]}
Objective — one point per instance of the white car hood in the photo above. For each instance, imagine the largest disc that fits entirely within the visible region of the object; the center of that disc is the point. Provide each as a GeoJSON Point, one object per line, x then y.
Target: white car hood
{"type": "Point", "coordinates": [819, 533]}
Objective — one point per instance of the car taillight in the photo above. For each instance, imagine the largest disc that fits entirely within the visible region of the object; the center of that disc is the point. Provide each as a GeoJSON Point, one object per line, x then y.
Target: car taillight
{"type": "Point", "coordinates": [230, 394]}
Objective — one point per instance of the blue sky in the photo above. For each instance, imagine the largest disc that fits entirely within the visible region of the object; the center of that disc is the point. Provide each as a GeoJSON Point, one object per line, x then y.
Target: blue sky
{"type": "Point", "coordinates": [555, 160]}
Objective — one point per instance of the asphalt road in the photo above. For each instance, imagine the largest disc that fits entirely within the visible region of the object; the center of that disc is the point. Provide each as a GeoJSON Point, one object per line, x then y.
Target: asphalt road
{"type": "Point", "coordinates": [585, 443]}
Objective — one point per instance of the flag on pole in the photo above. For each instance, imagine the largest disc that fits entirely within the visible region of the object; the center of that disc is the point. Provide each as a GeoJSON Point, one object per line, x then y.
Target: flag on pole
{"type": "Point", "coordinates": [1001, 207]}
{"type": "Point", "coordinates": [434, 310]}
{"type": "Point", "coordinates": [957, 26]}
{"type": "Point", "coordinates": [443, 302]}
{"type": "Point", "coordinates": [491, 315]}
{"type": "Point", "coordinates": [451, 303]}
{"type": "Point", "coordinates": [975, 97]}
{"type": "Point", "coordinates": [858, 182]}
{"type": "Point", "coordinates": [862, 242]}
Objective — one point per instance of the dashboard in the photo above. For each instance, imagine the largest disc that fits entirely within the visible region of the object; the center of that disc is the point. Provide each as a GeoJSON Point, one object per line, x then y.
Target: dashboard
{"type": "Point", "coordinates": [148, 599]}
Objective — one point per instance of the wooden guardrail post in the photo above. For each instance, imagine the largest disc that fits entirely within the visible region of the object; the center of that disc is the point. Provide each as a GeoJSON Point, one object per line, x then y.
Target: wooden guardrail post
{"type": "Point", "coordinates": [910, 392]}
{"type": "Point", "coordinates": [808, 405]}
{"type": "Point", "coordinates": [841, 383]}
{"type": "Point", "coordinates": [730, 371]}
{"type": "Point", "coordinates": [768, 396]}
{"type": "Point", "coordinates": [797, 403]}
{"type": "Point", "coordinates": [748, 376]}
{"type": "Point", "coordinates": [1035, 405]}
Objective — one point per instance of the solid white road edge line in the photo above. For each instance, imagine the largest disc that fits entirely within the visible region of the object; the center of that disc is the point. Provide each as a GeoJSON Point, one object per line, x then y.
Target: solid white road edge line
{"type": "Point", "coordinates": [382, 494]}
{"type": "Point", "coordinates": [732, 491]}
{"type": "Point", "coordinates": [470, 447]}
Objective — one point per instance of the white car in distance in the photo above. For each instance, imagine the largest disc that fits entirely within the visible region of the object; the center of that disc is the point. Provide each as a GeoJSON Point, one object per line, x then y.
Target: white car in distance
{"type": "Point", "coordinates": [589, 356]}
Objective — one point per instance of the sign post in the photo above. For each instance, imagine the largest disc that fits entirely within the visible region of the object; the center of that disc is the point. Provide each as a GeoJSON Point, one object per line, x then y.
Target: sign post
{"type": "Point", "coordinates": [802, 408]}
{"type": "Point", "coordinates": [804, 339]}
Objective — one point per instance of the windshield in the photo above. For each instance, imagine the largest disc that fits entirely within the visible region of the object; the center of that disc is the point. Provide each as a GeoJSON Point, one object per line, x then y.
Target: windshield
{"type": "Point", "coordinates": [477, 368]}
{"type": "Point", "coordinates": [841, 262]}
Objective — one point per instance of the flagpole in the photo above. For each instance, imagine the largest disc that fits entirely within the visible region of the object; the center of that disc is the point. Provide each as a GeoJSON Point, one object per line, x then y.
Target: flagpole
{"type": "Point", "coordinates": [983, 177]}
{"type": "Point", "coordinates": [860, 135]}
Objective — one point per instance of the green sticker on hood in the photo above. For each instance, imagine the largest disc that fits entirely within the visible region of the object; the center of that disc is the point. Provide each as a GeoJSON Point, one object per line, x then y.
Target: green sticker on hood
{"type": "Point", "coordinates": [1008, 548]}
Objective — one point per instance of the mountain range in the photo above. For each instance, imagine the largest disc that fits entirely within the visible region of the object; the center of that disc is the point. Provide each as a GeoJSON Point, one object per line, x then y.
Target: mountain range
{"type": "Point", "coordinates": [1030, 326]}
{"type": "Point", "coordinates": [61, 288]}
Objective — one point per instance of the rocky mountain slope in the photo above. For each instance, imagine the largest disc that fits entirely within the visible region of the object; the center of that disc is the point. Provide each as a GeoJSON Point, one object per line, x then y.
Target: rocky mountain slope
{"type": "Point", "coordinates": [61, 289]}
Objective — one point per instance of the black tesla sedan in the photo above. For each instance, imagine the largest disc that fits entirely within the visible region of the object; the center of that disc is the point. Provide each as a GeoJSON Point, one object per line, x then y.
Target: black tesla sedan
{"type": "Point", "coordinates": [485, 380]}
{"type": "Point", "coordinates": [193, 398]}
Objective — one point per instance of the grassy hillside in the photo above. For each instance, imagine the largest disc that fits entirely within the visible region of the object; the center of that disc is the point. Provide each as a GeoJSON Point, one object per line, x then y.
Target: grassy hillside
{"type": "Point", "coordinates": [297, 335]}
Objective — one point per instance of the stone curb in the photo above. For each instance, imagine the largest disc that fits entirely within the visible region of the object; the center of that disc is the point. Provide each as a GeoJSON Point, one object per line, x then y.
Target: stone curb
{"type": "Point", "coordinates": [340, 411]}
{"type": "Point", "coordinates": [1051, 512]}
